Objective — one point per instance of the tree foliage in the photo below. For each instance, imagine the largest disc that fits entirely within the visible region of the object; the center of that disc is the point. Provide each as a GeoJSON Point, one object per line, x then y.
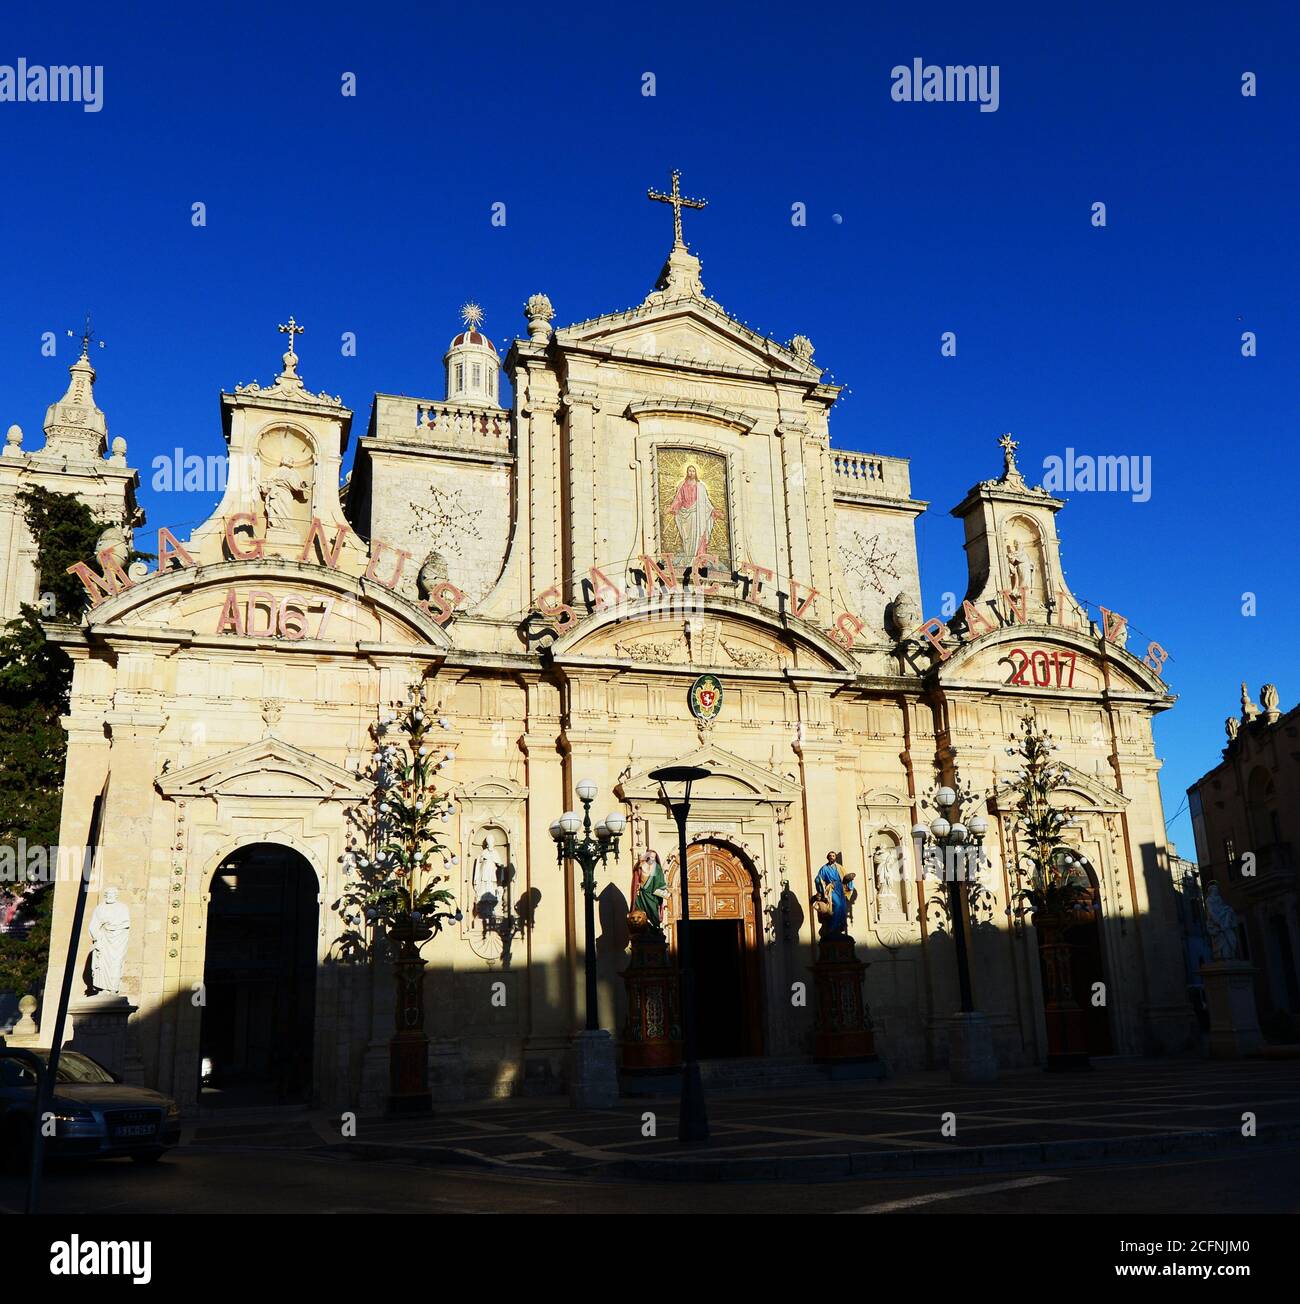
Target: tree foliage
{"type": "Point", "coordinates": [395, 858]}
{"type": "Point", "coordinates": [1053, 882]}
{"type": "Point", "coordinates": [35, 681]}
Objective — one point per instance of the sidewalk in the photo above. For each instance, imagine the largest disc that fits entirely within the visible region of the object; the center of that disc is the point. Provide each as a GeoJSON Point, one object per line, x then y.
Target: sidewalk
{"type": "Point", "coordinates": [1121, 1110]}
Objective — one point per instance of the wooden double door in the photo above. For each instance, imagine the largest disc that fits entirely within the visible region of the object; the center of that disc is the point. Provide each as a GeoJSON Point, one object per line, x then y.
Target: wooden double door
{"type": "Point", "coordinates": [725, 949]}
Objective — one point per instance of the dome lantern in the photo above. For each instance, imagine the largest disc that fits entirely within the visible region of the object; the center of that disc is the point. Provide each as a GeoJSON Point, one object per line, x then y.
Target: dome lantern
{"type": "Point", "coordinates": [473, 367]}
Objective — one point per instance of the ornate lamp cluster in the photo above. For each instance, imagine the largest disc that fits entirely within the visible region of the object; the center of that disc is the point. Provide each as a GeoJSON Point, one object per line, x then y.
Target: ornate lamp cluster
{"type": "Point", "coordinates": [592, 848]}
{"type": "Point", "coordinates": [947, 850]}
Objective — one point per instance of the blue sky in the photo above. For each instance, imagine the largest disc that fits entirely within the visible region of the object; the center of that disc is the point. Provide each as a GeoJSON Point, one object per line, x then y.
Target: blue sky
{"type": "Point", "coordinates": [372, 214]}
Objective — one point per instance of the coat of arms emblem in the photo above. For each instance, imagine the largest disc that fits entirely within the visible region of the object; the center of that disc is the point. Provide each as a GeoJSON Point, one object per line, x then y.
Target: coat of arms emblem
{"type": "Point", "coordinates": [705, 698]}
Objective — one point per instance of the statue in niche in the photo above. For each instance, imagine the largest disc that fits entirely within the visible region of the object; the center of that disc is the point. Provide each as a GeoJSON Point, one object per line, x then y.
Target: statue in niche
{"type": "Point", "coordinates": [110, 930]}
{"type": "Point", "coordinates": [486, 876]}
{"type": "Point", "coordinates": [1020, 567]}
{"type": "Point", "coordinates": [1221, 923]}
{"type": "Point", "coordinates": [283, 483]}
{"type": "Point", "coordinates": [887, 872]}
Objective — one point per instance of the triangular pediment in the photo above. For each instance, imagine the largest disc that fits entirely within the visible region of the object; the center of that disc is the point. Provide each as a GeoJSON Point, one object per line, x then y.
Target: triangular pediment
{"type": "Point", "coordinates": [731, 776]}
{"type": "Point", "coordinates": [269, 767]}
{"type": "Point", "coordinates": [688, 331]}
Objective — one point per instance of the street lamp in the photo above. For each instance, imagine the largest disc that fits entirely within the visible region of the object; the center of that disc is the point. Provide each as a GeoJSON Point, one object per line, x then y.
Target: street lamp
{"type": "Point", "coordinates": [693, 1118]}
{"type": "Point", "coordinates": [957, 843]}
{"type": "Point", "coordinates": [594, 847]}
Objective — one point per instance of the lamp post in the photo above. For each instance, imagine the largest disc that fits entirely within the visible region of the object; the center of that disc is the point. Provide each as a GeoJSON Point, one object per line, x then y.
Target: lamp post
{"type": "Point", "coordinates": [593, 848]}
{"type": "Point", "coordinates": [593, 1075]}
{"type": "Point", "coordinates": [693, 1118]}
{"type": "Point", "coordinates": [957, 843]}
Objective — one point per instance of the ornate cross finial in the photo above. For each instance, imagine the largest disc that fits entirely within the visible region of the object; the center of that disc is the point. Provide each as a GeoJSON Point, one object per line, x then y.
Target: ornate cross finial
{"type": "Point", "coordinates": [1010, 471]}
{"type": "Point", "coordinates": [87, 335]}
{"type": "Point", "coordinates": [291, 330]}
{"type": "Point", "coordinates": [291, 357]}
{"type": "Point", "coordinates": [472, 315]}
{"type": "Point", "coordinates": [678, 201]}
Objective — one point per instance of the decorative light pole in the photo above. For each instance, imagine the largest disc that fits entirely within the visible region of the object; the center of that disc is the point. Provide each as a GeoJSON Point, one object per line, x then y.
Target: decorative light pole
{"type": "Point", "coordinates": [692, 1116]}
{"type": "Point", "coordinates": [593, 1079]}
{"type": "Point", "coordinates": [952, 846]}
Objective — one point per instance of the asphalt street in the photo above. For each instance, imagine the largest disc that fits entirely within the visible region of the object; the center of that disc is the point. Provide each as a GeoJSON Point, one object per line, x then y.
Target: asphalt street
{"type": "Point", "coordinates": [261, 1180]}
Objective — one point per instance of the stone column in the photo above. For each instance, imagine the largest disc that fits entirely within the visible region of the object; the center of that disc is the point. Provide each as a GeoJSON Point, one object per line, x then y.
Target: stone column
{"type": "Point", "coordinates": [543, 485]}
{"type": "Point", "coordinates": [550, 989]}
{"type": "Point", "coordinates": [582, 490]}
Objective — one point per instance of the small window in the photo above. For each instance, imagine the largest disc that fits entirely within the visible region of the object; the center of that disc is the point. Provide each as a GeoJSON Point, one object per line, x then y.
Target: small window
{"type": "Point", "coordinates": [460, 375]}
{"type": "Point", "coordinates": [478, 376]}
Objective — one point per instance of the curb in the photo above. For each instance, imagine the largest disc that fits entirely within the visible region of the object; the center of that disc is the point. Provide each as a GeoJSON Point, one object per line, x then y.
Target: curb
{"type": "Point", "coordinates": [847, 1165]}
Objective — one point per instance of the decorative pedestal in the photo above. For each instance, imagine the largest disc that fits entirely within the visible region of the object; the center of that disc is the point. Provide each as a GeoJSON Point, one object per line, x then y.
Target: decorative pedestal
{"type": "Point", "coordinates": [1230, 999]}
{"type": "Point", "coordinates": [99, 1029]}
{"type": "Point", "coordinates": [652, 1036]}
{"type": "Point", "coordinates": [593, 1079]}
{"type": "Point", "coordinates": [408, 1051]}
{"type": "Point", "coordinates": [970, 1049]}
{"type": "Point", "coordinates": [1067, 1022]}
{"type": "Point", "coordinates": [842, 1031]}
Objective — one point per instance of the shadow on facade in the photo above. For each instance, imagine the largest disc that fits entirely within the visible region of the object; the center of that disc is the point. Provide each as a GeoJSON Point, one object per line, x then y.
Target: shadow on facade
{"type": "Point", "coordinates": [500, 1024]}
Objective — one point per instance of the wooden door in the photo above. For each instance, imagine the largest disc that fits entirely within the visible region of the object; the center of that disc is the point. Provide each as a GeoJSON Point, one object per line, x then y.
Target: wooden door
{"type": "Point", "coordinates": [722, 889]}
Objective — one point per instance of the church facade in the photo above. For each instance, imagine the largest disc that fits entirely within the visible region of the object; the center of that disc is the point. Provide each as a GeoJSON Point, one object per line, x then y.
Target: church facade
{"type": "Point", "coordinates": [659, 502]}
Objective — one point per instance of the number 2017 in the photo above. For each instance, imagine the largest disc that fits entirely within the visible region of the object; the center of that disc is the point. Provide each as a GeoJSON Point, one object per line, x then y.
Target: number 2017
{"type": "Point", "coordinates": [1043, 671]}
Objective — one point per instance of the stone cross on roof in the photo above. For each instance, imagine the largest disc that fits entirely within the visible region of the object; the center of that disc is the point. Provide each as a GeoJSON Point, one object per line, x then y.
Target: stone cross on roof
{"type": "Point", "coordinates": [291, 357]}
{"type": "Point", "coordinates": [678, 201]}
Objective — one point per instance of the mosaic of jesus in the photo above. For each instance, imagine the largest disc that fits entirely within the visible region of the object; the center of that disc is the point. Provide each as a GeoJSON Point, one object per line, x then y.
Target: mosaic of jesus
{"type": "Point", "coordinates": [693, 507]}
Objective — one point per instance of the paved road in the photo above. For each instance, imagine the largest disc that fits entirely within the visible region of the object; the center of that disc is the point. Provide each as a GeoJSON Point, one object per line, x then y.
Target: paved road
{"type": "Point", "coordinates": [271, 1180]}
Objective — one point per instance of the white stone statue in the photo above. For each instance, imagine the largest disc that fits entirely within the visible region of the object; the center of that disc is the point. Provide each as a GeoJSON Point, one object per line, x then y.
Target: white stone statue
{"type": "Point", "coordinates": [1221, 923]}
{"type": "Point", "coordinates": [486, 882]}
{"type": "Point", "coordinates": [280, 491]}
{"type": "Point", "coordinates": [1231, 726]}
{"type": "Point", "coordinates": [110, 930]}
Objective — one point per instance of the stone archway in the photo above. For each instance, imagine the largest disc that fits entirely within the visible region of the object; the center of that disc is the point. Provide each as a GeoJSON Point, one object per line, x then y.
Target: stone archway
{"type": "Point", "coordinates": [257, 1031]}
{"type": "Point", "coordinates": [726, 936]}
{"type": "Point", "coordinates": [1087, 965]}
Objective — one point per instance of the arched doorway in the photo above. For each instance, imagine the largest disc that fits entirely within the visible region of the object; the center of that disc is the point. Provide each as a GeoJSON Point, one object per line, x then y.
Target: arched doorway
{"type": "Point", "coordinates": [725, 943]}
{"type": "Point", "coordinates": [259, 978]}
{"type": "Point", "coordinates": [1086, 966]}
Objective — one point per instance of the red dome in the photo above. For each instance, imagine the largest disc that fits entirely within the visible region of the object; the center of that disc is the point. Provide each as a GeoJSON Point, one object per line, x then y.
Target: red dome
{"type": "Point", "coordinates": [473, 337]}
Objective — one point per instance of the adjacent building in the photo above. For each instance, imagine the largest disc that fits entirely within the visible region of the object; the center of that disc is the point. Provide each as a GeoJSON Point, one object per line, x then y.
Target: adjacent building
{"type": "Point", "coordinates": [1246, 818]}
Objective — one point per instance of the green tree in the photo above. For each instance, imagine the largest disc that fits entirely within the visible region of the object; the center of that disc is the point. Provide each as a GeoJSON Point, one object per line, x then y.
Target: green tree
{"type": "Point", "coordinates": [395, 890]}
{"type": "Point", "coordinates": [35, 681]}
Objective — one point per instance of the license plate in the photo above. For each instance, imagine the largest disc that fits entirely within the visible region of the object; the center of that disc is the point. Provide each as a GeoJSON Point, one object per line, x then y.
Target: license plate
{"type": "Point", "coordinates": [135, 1129]}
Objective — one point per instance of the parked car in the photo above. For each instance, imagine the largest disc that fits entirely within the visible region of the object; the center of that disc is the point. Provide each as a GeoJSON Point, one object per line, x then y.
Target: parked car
{"type": "Point", "coordinates": [97, 1115]}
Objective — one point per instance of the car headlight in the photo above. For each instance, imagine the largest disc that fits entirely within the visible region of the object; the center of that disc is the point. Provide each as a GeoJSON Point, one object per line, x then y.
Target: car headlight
{"type": "Point", "coordinates": [173, 1109]}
